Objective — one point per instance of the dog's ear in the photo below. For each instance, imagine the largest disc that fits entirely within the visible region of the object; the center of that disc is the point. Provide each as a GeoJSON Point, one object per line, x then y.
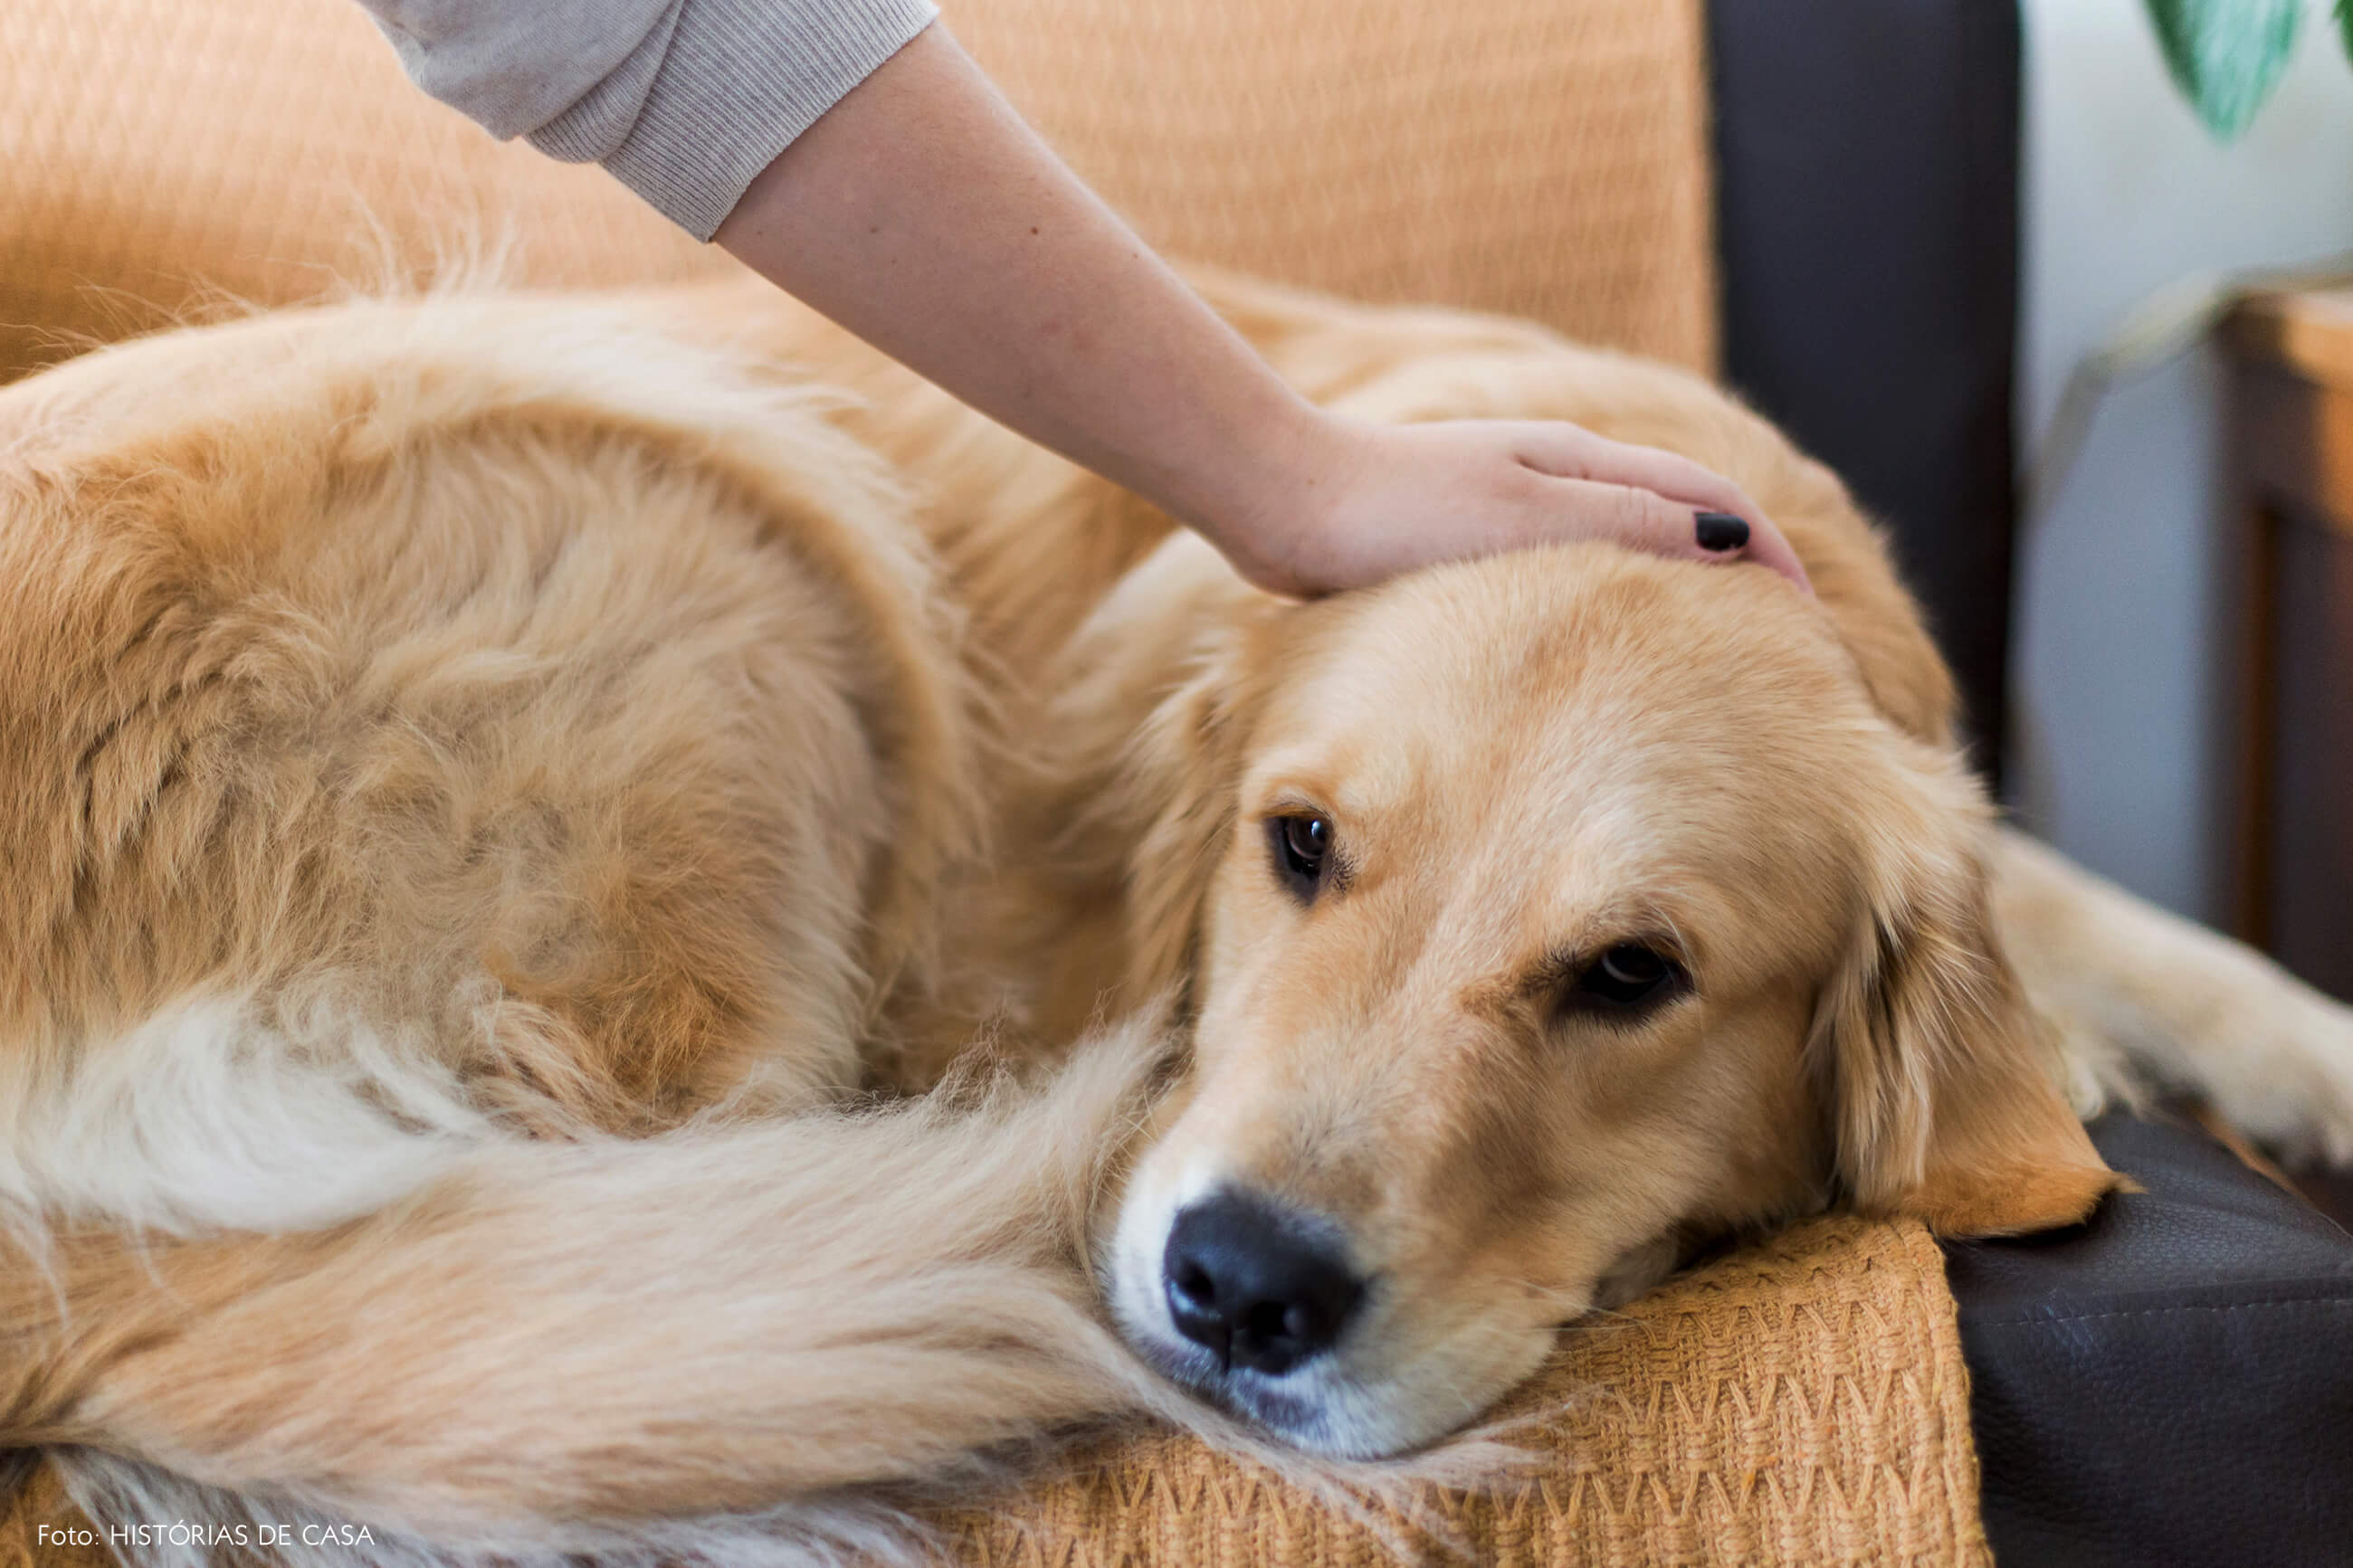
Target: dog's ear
{"type": "Point", "coordinates": [1150, 727]}
{"type": "Point", "coordinates": [1944, 1086]}
{"type": "Point", "coordinates": [1179, 780]}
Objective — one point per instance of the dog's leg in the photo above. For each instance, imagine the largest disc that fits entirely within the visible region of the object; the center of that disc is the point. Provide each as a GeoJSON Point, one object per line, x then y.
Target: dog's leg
{"type": "Point", "coordinates": [2146, 998]}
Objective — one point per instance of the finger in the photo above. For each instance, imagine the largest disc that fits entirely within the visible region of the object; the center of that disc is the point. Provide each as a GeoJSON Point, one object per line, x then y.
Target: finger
{"type": "Point", "coordinates": [1643, 520]}
{"type": "Point", "coordinates": [1767, 546]}
{"type": "Point", "coordinates": [1572, 452]}
{"type": "Point", "coordinates": [1569, 452]}
{"type": "Point", "coordinates": [1733, 536]}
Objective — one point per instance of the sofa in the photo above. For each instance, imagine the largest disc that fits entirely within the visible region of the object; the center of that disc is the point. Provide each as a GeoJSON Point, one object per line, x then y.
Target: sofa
{"type": "Point", "coordinates": [1814, 199]}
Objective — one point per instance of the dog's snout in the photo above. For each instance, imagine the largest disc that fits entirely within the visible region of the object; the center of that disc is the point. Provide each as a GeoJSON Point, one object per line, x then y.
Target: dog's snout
{"type": "Point", "coordinates": [1260, 1286]}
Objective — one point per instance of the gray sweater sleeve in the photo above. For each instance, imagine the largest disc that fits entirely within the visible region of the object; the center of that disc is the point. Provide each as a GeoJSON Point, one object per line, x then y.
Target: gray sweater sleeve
{"type": "Point", "coordinates": [685, 101]}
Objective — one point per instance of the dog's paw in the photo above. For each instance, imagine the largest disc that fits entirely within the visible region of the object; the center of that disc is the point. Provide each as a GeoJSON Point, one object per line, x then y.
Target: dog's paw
{"type": "Point", "coordinates": [2308, 1103]}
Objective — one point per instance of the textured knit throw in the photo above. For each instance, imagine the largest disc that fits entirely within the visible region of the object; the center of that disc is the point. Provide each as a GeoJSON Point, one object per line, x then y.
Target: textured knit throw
{"type": "Point", "coordinates": [1802, 1401]}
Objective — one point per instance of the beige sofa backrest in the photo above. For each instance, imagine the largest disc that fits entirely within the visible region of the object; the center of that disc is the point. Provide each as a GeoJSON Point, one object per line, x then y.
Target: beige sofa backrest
{"type": "Point", "coordinates": [1543, 157]}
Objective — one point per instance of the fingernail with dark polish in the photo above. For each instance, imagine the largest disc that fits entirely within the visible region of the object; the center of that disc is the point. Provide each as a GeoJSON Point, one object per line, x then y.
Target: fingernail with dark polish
{"type": "Point", "coordinates": [1720, 531]}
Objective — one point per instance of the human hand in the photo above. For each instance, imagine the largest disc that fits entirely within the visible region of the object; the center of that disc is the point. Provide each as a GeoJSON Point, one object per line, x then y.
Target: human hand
{"type": "Point", "coordinates": [1377, 499]}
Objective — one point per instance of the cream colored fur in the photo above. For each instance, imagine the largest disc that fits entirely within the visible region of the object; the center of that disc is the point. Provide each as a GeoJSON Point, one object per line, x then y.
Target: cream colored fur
{"type": "Point", "coordinates": [490, 782]}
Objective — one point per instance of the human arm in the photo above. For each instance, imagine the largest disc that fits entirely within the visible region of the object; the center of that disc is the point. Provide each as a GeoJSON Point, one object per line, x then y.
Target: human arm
{"type": "Point", "coordinates": [923, 215]}
{"type": "Point", "coordinates": [920, 212]}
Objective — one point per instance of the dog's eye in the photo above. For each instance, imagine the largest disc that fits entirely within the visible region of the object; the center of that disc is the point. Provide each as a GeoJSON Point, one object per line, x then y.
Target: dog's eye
{"type": "Point", "coordinates": [1303, 851]}
{"type": "Point", "coordinates": [1627, 978]}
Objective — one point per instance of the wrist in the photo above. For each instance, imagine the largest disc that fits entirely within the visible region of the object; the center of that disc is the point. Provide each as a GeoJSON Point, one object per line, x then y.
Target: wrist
{"type": "Point", "coordinates": [1278, 494]}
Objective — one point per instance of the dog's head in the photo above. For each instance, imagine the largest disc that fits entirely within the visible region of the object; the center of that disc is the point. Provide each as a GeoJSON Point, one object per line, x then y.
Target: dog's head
{"type": "Point", "coordinates": [1534, 917]}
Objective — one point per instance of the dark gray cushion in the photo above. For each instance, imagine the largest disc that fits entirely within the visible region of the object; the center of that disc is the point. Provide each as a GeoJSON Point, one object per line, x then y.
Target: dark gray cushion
{"type": "Point", "coordinates": [2171, 1384]}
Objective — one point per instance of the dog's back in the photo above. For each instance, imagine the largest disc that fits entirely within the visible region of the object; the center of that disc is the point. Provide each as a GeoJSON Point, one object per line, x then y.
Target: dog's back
{"type": "Point", "coordinates": [421, 673]}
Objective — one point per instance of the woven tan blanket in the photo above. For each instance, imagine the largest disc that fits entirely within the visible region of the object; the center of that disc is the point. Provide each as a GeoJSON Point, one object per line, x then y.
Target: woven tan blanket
{"type": "Point", "coordinates": [1802, 1402]}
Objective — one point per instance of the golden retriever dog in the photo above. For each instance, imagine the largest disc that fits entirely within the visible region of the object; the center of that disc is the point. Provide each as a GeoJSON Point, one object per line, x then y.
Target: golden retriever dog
{"type": "Point", "coordinates": [509, 803]}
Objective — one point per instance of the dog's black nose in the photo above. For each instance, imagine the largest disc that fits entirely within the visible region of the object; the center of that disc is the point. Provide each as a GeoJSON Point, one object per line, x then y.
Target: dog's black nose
{"type": "Point", "coordinates": [1259, 1287]}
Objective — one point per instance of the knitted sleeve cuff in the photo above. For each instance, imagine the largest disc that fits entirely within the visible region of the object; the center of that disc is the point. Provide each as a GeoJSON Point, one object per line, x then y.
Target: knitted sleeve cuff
{"type": "Point", "coordinates": [685, 101]}
{"type": "Point", "coordinates": [721, 86]}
